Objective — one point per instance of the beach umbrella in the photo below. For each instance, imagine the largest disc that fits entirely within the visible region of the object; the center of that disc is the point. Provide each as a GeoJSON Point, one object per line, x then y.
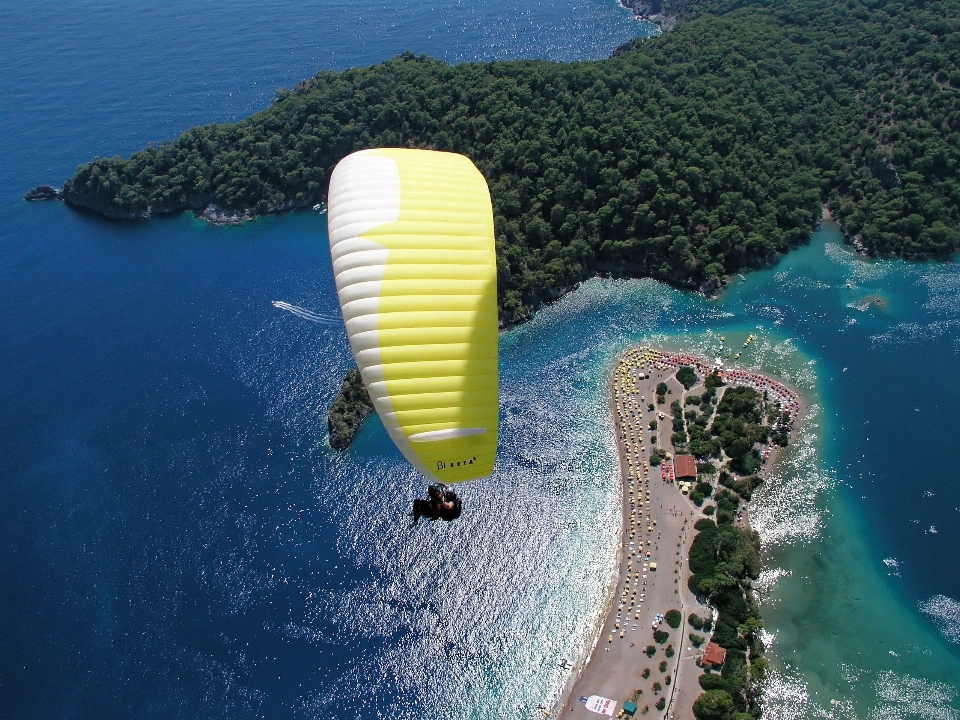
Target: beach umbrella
{"type": "Point", "coordinates": [411, 237]}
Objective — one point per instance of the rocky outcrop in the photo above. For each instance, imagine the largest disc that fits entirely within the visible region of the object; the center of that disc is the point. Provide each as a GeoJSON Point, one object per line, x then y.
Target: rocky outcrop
{"type": "Point", "coordinates": [43, 192]}
{"type": "Point", "coordinates": [651, 11]}
{"type": "Point", "coordinates": [82, 198]}
{"type": "Point", "coordinates": [348, 411]}
{"type": "Point", "coordinates": [883, 169]}
{"type": "Point", "coordinates": [221, 216]}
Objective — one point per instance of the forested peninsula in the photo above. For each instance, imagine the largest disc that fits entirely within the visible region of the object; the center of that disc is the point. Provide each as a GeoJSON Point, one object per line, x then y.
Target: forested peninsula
{"type": "Point", "coordinates": [685, 157]}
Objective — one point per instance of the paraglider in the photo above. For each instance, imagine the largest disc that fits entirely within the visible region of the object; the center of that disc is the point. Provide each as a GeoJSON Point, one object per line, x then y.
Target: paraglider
{"type": "Point", "coordinates": [411, 237]}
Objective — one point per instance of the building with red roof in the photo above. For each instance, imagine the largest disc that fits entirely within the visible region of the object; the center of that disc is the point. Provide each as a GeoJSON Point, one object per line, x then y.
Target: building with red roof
{"type": "Point", "coordinates": [686, 467]}
{"type": "Point", "coordinates": [713, 656]}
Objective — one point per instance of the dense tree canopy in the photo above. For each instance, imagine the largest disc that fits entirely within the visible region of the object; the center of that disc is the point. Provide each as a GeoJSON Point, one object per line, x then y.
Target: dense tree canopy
{"type": "Point", "coordinates": [724, 560]}
{"type": "Point", "coordinates": [684, 157]}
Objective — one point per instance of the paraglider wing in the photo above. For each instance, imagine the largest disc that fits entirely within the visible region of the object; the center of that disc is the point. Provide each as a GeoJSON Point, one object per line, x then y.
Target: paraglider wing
{"type": "Point", "coordinates": [411, 236]}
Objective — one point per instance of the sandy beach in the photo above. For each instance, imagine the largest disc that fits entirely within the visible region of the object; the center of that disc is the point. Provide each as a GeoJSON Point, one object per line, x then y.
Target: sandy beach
{"type": "Point", "coordinates": [657, 531]}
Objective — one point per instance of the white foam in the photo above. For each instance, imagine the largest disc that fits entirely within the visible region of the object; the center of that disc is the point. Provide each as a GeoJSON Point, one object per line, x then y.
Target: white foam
{"type": "Point", "coordinates": [902, 696]}
{"type": "Point", "coordinates": [899, 696]}
{"type": "Point", "coordinates": [945, 613]}
{"type": "Point", "coordinates": [764, 585]}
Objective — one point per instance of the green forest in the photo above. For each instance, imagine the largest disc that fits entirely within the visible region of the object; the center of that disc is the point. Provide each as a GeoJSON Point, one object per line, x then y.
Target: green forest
{"type": "Point", "coordinates": [686, 157]}
{"type": "Point", "coordinates": [724, 560]}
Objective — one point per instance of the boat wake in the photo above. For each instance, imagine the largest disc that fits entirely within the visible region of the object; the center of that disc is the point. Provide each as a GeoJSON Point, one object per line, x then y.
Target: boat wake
{"type": "Point", "coordinates": [306, 314]}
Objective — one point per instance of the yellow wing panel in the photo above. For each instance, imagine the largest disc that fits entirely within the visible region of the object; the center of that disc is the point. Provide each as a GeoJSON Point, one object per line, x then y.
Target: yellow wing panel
{"type": "Point", "coordinates": [430, 297]}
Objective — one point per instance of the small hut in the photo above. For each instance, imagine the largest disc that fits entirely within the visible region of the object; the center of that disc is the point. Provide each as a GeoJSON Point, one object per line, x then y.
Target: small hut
{"type": "Point", "coordinates": [686, 467]}
{"type": "Point", "coordinates": [713, 656]}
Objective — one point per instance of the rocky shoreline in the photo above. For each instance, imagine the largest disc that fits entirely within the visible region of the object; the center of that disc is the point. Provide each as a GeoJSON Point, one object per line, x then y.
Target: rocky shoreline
{"type": "Point", "coordinates": [651, 11]}
{"type": "Point", "coordinates": [203, 208]}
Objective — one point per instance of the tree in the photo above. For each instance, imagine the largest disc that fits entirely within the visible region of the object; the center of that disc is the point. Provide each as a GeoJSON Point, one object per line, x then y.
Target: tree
{"type": "Point", "coordinates": [662, 160]}
{"type": "Point", "coordinates": [713, 705]}
{"type": "Point", "coordinates": [673, 618]}
{"type": "Point", "coordinates": [661, 388]}
{"type": "Point", "coordinates": [686, 376]}
{"type": "Point", "coordinates": [660, 637]}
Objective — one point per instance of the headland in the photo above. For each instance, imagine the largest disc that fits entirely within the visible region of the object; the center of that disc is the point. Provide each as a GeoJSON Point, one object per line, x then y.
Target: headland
{"type": "Point", "coordinates": [687, 430]}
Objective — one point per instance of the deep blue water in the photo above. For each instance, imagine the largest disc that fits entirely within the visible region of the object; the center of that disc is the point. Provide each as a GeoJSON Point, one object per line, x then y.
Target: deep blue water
{"type": "Point", "coordinates": [174, 536]}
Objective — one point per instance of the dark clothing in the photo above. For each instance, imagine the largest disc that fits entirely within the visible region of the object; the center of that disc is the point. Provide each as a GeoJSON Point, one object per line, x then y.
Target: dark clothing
{"type": "Point", "coordinates": [424, 508]}
{"type": "Point", "coordinates": [444, 504]}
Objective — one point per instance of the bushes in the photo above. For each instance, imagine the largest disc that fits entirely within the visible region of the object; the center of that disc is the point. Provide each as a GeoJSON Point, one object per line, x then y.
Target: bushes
{"type": "Point", "coordinates": [744, 487]}
{"type": "Point", "coordinates": [724, 558]}
{"type": "Point", "coordinates": [686, 376]}
{"type": "Point", "coordinates": [711, 681]}
{"type": "Point", "coordinates": [703, 550]}
{"type": "Point", "coordinates": [713, 705]}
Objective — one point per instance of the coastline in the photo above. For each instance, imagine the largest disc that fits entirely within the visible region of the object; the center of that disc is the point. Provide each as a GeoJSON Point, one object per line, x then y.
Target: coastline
{"type": "Point", "coordinates": [615, 672]}
{"type": "Point", "coordinates": [650, 11]}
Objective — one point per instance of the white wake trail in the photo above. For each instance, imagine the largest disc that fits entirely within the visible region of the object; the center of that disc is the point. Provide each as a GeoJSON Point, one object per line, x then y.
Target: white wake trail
{"type": "Point", "coordinates": [306, 314]}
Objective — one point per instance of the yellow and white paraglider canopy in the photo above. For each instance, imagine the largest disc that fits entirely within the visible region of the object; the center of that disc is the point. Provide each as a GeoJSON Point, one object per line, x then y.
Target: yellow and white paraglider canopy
{"type": "Point", "coordinates": [411, 235]}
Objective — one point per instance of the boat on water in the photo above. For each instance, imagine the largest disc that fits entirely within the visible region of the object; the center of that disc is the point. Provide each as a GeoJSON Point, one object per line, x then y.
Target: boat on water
{"type": "Point", "coordinates": [321, 208]}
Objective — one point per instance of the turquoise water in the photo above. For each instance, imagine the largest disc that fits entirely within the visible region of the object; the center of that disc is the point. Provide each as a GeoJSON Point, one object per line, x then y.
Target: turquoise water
{"type": "Point", "coordinates": [177, 540]}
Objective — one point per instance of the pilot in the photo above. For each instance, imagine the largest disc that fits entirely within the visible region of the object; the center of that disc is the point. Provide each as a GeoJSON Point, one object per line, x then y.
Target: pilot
{"type": "Point", "coordinates": [444, 504]}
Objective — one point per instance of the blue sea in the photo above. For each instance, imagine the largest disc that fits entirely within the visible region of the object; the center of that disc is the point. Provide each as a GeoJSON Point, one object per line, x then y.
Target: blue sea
{"type": "Point", "coordinates": [177, 540]}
